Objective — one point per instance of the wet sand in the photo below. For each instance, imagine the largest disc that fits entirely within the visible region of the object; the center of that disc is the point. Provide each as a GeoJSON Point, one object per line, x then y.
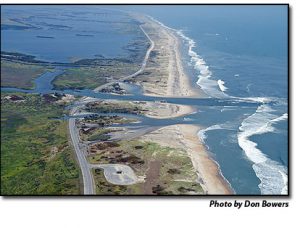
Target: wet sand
{"type": "Point", "coordinates": [176, 83]}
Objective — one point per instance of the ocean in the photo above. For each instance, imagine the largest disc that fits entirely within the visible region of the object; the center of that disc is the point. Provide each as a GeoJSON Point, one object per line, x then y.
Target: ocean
{"type": "Point", "coordinates": [239, 52]}
{"type": "Point", "coordinates": [230, 52]}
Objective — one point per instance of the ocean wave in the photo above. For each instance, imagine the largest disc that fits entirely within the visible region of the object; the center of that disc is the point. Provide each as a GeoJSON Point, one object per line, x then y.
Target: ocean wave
{"type": "Point", "coordinates": [209, 86]}
{"type": "Point", "coordinates": [256, 99]}
{"type": "Point", "coordinates": [201, 134]}
{"type": "Point", "coordinates": [213, 88]}
{"type": "Point", "coordinates": [221, 85]}
{"type": "Point", "coordinates": [227, 125]}
{"type": "Point", "coordinates": [281, 118]}
{"type": "Point", "coordinates": [273, 176]}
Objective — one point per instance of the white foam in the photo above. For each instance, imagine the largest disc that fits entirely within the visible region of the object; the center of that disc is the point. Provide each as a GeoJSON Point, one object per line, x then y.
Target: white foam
{"type": "Point", "coordinates": [187, 119]}
{"type": "Point", "coordinates": [209, 86]}
{"type": "Point", "coordinates": [202, 135]}
{"type": "Point", "coordinates": [221, 85]}
{"type": "Point", "coordinates": [248, 87]}
{"type": "Point", "coordinates": [284, 190]}
{"type": "Point", "coordinates": [281, 118]}
{"type": "Point", "coordinates": [256, 99]}
{"type": "Point", "coordinates": [226, 125]}
{"type": "Point", "coordinates": [270, 173]}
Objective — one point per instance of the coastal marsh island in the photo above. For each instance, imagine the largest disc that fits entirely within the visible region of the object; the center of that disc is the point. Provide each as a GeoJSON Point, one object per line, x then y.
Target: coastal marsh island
{"type": "Point", "coordinates": [105, 101]}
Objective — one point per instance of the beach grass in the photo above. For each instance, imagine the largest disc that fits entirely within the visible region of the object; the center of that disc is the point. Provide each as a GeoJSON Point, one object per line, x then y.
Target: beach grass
{"type": "Point", "coordinates": [166, 171]}
{"type": "Point", "coordinates": [114, 107]}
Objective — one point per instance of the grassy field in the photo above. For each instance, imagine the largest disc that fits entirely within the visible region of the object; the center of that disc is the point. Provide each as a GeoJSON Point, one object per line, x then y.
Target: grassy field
{"type": "Point", "coordinates": [96, 134]}
{"type": "Point", "coordinates": [113, 106]}
{"type": "Point", "coordinates": [92, 77]}
{"type": "Point", "coordinates": [19, 75]}
{"type": "Point", "coordinates": [35, 155]}
{"type": "Point", "coordinates": [167, 171]}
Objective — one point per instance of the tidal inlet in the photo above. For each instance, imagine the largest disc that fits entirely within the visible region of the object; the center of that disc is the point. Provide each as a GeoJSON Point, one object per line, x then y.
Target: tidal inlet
{"type": "Point", "coordinates": [144, 100]}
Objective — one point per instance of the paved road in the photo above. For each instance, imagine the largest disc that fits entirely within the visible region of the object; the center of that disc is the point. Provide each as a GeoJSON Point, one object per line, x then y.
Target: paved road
{"type": "Point", "coordinates": [88, 181]}
{"type": "Point", "coordinates": [127, 175]}
{"type": "Point", "coordinates": [118, 174]}
{"type": "Point", "coordinates": [136, 73]}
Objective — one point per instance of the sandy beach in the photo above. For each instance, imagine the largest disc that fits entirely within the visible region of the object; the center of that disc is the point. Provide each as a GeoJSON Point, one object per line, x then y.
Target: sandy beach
{"type": "Point", "coordinates": [171, 80]}
{"type": "Point", "coordinates": [164, 74]}
{"type": "Point", "coordinates": [166, 110]}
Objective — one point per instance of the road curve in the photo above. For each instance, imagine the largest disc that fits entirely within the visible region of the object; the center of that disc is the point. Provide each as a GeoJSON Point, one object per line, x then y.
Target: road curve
{"type": "Point", "coordinates": [144, 63]}
{"type": "Point", "coordinates": [88, 180]}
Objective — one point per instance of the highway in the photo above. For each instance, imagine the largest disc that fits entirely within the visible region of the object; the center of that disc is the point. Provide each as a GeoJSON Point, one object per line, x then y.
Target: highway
{"type": "Point", "coordinates": [88, 181]}
{"type": "Point", "coordinates": [127, 175]}
{"type": "Point", "coordinates": [144, 63]}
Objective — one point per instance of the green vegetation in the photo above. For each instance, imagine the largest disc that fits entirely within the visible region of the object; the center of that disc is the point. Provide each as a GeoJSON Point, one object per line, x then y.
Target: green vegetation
{"type": "Point", "coordinates": [168, 171]}
{"type": "Point", "coordinates": [107, 120]}
{"type": "Point", "coordinates": [35, 155]}
{"type": "Point", "coordinates": [93, 76]}
{"type": "Point", "coordinates": [95, 134]}
{"type": "Point", "coordinates": [114, 107]}
{"type": "Point", "coordinates": [20, 75]}
{"type": "Point", "coordinates": [80, 78]}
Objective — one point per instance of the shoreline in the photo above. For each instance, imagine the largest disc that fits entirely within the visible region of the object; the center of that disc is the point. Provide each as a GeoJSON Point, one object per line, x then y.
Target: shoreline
{"type": "Point", "coordinates": [207, 168]}
{"type": "Point", "coordinates": [179, 84]}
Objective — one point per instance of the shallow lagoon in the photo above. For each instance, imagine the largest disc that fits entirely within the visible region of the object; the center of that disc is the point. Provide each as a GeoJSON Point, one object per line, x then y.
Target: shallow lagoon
{"type": "Point", "coordinates": [73, 33]}
{"type": "Point", "coordinates": [241, 68]}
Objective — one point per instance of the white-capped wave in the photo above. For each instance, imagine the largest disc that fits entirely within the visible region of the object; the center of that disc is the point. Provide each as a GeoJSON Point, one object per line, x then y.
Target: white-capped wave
{"type": "Point", "coordinates": [212, 88]}
{"type": "Point", "coordinates": [187, 119]}
{"type": "Point", "coordinates": [221, 85]}
{"type": "Point", "coordinates": [284, 190]}
{"type": "Point", "coordinates": [280, 118]}
{"type": "Point", "coordinates": [256, 99]}
{"type": "Point", "coordinates": [271, 174]}
{"type": "Point", "coordinates": [208, 85]}
{"type": "Point", "coordinates": [202, 135]}
{"type": "Point", "coordinates": [226, 125]}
